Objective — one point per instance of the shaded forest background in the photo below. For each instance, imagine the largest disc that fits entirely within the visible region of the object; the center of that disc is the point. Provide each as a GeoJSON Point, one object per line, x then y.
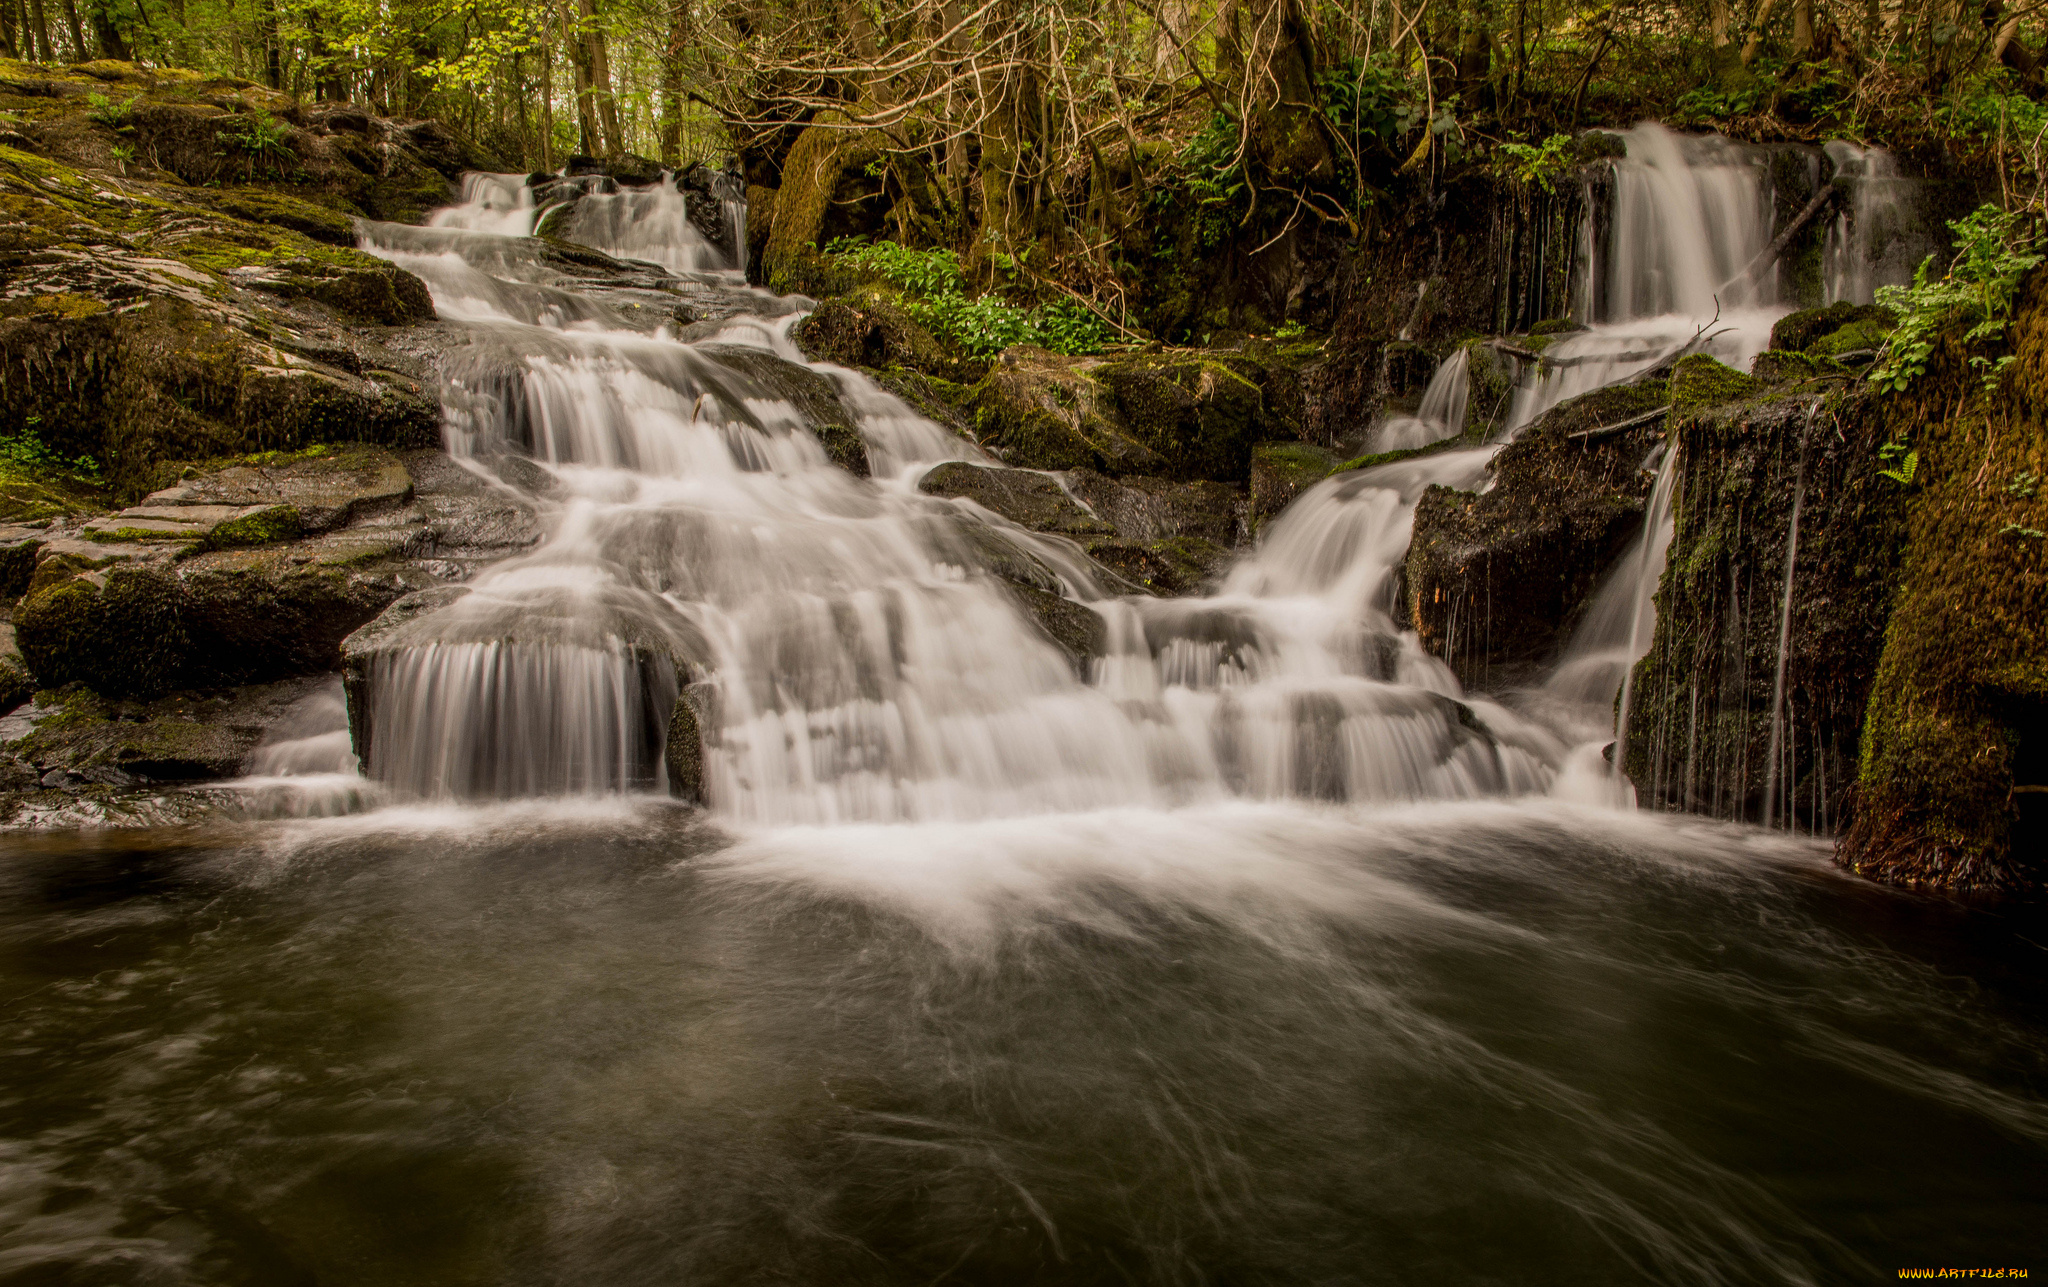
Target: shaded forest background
{"type": "Point", "coordinates": [1064, 150]}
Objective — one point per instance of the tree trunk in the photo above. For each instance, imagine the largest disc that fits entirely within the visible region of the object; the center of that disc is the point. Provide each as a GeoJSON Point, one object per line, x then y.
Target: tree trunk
{"type": "Point", "coordinates": [677, 45]}
{"type": "Point", "coordinates": [600, 74]}
{"type": "Point", "coordinates": [810, 175]}
{"type": "Point", "coordinates": [1802, 29]}
{"type": "Point", "coordinates": [1266, 61]}
{"type": "Point", "coordinates": [1755, 42]}
{"type": "Point", "coordinates": [78, 53]}
{"type": "Point", "coordinates": [591, 141]}
{"type": "Point", "coordinates": [273, 64]}
{"type": "Point", "coordinates": [107, 33]}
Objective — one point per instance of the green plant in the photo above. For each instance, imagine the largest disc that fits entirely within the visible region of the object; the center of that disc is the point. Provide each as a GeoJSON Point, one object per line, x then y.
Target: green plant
{"type": "Point", "coordinates": [104, 111]}
{"type": "Point", "coordinates": [1994, 252]}
{"type": "Point", "coordinates": [1289, 331]}
{"type": "Point", "coordinates": [2016, 530]}
{"type": "Point", "coordinates": [1903, 461]}
{"type": "Point", "coordinates": [982, 325]}
{"type": "Point", "coordinates": [1713, 103]}
{"type": "Point", "coordinates": [2024, 484]}
{"type": "Point", "coordinates": [924, 272]}
{"type": "Point", "coordinates": [28, 453]}
{"type": "Point", "coordinates": [1539, 165]}
{"type": "Point", "coordinates": [122, 154]}
{"type": "Point", "coordinates": [261, 138]}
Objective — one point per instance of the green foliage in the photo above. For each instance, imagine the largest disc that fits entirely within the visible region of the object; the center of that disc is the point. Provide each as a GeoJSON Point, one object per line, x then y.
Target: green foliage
{"type": "Point", "coordinates": [25, 452]}
{"type": "Point", "coordinates": [1994, 252]}
{"type": "Point", "coordinates": [1716, 103]}
{"type": "Point", "coordinates": [104, 111]}
{"type": "Point", "coordinates": [1373, 103]}
{"type": "Point", "coordinates": [2024, 484]}
{"type": "Point", "coordinates": [1539, 165]}
{"type": "Point", "coordinates": [924, 272]}
{"type": "Point", "coordinates": [1902, 462]}
{"type": "Point", "coordinates": [259, 137]}
{"type": "Point", "coordinates": [982, 325]}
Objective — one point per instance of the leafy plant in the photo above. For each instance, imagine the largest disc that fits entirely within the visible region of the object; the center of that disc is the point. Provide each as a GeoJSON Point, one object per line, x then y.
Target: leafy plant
{"type": "Point", "coordinates": [1995, 251]}
{"type": "Point", "coordinates": [926, 272]}
{"type": "Point", "coordinates": [104, 111]}
{"type": "Point", "coordinates": [1540, 165]}
{"type": "Point", "coordinates": [2018, 530]}
{"type": "Point", "coordinates": [26, 452]}
{"type": "Point", "coordinates": [982, 325]}
{"type": "Point", "coordinates": [2025, 484]}
{"type": "Point", "coordinates": [260, 138]}
{"type": "Point", "coordinates": [1904, 462]}
{"type": "Point", "coordinates": [1289, 331]}
{"type": "Point", "coordinates": [1713, 103]}
{"type": "Point", "coordinates": [122, 154]}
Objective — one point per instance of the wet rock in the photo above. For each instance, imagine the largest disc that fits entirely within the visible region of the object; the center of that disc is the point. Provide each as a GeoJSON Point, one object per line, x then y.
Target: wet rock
{"type": "Point", "coordinates": [18, 549]}
{"type": "Point", "coordinates": [326, 487]}
{"type": "Point", "coordinates": [1494, 579]}
{"type": "Point", "coordinates": [1701, 381]}
{"type": "Point", "coordinates": [1032, 500]}
{"type": "Point", "coordinates": [1078, 631]}
{"type": "Point", "coordinates": [804, 389]}
{"type": "Point", "coordinates": [683, 749]}
{"type": "Point", "coordinates": [1281, 471]}
{"type": "Point", "coordinates": [16, 683]}
{"type": "Point", "coordinates": [1700, 725]}
{"type": "Point", "coordinates": [75, 737]}
{"type": "Point", "coordinates": [1198, 415]}
{"type": "Point", "coordinates": [1154, 509]}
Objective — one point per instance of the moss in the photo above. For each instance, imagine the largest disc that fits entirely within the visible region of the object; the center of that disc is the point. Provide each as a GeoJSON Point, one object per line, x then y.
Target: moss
{"type": "Point", "coordinates": [1777, 366]}
{"type": "Point", "coordinates": [33, 495]}
{"type": "Point", "coordinates": [268, 206]}
{"type": "Point", "coordinates": [1796, 332]}
{"type": "Point", "coordinates": [1555, 326]}
{"type": "Point", "coordinates": [1959, 682]}
{"type": "Point", "coordinates": [1863, 336]}
{"type": "Point", "coordinates": [1701, 381]}
{"type": "Point", "coordinates": [1280, 471]}
{"type": "Point", "coordinates": [278, 523]}
{"type": "Point", "coordinates": [122, 633]}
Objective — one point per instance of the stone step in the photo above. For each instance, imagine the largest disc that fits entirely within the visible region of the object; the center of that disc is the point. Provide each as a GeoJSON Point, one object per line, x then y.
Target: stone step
{"type": "Point", "coordinates": [223, 524]}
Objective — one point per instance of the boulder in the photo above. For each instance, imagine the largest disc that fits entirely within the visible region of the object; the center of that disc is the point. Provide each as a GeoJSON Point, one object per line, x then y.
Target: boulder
{"type": "Point", "coordinates": [1494, 578]}
{"type": "Point", "coordinates": [75, 737]}
{"type": "Point", "coordinates": [1029, 499]}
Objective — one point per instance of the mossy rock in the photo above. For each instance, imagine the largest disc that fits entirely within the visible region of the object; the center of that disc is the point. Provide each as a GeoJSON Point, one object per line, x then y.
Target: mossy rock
{"type": "Point", "coordinates": [322, 223]}
{"type": "Point", "coordinates": [1281, 471]}
{"type": "Point", "coordinates": [1175, 566]}
{"type": "Point", "coordinates": [278, 523]}
{"type": "Point", "coordinates": [1199, 415]}
{"type": "Point", "coordinates": [1781, 366]}
{"type": "Point", "coordinates": [1700, 380]}
{"type": "Point", "coordinates": [1078, 632]}
{"type": "Point", "coordinates": [871, 327]}
{"type": "Point", "coordinates": [1864, 336]}
{"type": "Point", "coordinates": [1038, 411]}
{"type": "Point", "coordinates": [1798, 331]}
{"type": "Point", "coordinates": [122, 632]}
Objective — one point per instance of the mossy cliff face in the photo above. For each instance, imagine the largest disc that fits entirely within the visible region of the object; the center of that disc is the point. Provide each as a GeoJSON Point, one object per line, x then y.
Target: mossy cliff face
{"type": "Point", "coordinates": [1700, 728]}
{"type": "Point", "coordinates": [1957, 727]}
{"type": "Point", "coordinates": [143, 319]}
{"type": "Point", "coordinates": [1494, 578]}
{"type": "Point", "coordinates": [197, 130]}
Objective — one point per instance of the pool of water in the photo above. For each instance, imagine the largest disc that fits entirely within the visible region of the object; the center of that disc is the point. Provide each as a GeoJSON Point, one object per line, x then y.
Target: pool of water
{"type": "Point", "coordinates": [1247, 1043]}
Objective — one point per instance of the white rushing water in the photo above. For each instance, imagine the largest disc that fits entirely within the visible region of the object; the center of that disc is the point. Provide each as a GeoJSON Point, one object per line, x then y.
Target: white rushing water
{"type": "Point", "coordinates": [1877, 237]}
{"type": "Point", "coordinates": [847, 652]}
{"type": "Point", "coordinates": [852, 660]}
{"type": "Point", "coordinates": [1442, 411]}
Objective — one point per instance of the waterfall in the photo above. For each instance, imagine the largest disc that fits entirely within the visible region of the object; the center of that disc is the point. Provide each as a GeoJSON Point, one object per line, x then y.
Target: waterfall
{"type": "Point", "coordinates": [1877, 237]}
{"type": "Point", "coordinates": [850, 654]}
{"type": "Point", "coordinates": [499, 204]}
{"type": "Point", "coordinates": [648, 224]}
{"type": "Point", "coordinates": [1779, 744]}
{"type": "Point", "coordinates": [1687, 218]}
{"type": "Point", "coordinates": [1442, 412]}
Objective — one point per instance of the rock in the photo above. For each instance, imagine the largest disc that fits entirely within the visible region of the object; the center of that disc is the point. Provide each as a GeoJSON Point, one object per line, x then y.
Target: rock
{"type": "Point", "coordinates": [1798, 332]}
{"type": "Point", "coordinates": [813, 396]}
{"type": "Point", "coordinates": [1280, 471]}
{"type": "Point", "coordinates": [326, 487]}
{"type": "Point", "coordinates": [18, 549]}
{"type": "Point", "coordinates": [138, 617]}
{"type": "Point", "coordinates": [1032, 500]}
{"type": "Point", "coordinates": [1494, 578]}
{"type": "Point", "coordinates": [1198, 415]}
{"type": "Point", "coordinates": [17, 685]}
{"type": "Point", "coordinates": [1039, 411]}
{"type": "Point", "coordinates": [1701, 711]}
{"type": "Point", "coordinates": [871, 328]}
{"type": "Point", "coordinates": [683, 749]}
{"type": "Point", "coordinates": [1078, 631]}
{"type": "Point", "coordinates": [1700, 381]}
{"type": "Point", "coordinates": [1155, 509]}
{"type": "Point", "coordinates": [82, 738]}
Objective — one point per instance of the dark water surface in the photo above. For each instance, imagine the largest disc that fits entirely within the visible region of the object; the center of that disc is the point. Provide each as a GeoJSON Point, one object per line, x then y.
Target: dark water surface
{"type": "Point", "coordinates": [1512, 1043]}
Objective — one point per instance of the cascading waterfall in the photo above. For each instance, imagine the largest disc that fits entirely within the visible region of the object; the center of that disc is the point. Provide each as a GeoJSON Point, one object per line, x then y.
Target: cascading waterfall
{"type": "Point", "coordinates": [1441, 413]}
{"type": "Point", "coordinates": [850, 659]}
{"type": "Point", "coordinates": [1877, 237]}
{"type": "Point", "coordinates": [1780, 745]}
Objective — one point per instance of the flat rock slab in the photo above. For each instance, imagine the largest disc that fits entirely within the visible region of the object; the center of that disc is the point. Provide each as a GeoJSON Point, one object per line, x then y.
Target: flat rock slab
{"type": "Point", "coordinates": [341, 486]}
{"type": "Point", "coordinates": [150, 522]}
